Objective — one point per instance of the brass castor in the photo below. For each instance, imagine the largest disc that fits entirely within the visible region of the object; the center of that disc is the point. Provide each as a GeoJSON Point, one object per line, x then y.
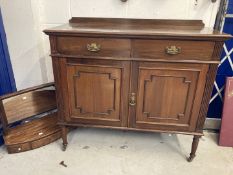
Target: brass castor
{"type": "Point", "coordinates": [64, 137]}
{"type": "Point", "coordinates": [190, 158]}
{"type": "Point", "coordinates": [64, 146]}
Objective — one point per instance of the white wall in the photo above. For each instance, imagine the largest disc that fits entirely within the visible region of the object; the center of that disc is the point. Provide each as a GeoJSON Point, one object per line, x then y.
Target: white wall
{"type": "Point", "coordinates": [22, 43]}
{"type": "Point", "coordinates": [24, 21]}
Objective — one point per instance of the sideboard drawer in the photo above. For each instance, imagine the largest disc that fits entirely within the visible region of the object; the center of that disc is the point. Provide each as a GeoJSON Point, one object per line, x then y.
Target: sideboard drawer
{"type": "Point", "coordinates": [173, 49]}
{"type": "Point", "coordinates": [93, 46]}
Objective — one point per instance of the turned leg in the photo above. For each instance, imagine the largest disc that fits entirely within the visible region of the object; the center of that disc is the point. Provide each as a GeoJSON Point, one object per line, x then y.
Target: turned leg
{"type": "Point", "coordinates": [194, 148]}
{"type": "Point", "coordinates": [64, 137]}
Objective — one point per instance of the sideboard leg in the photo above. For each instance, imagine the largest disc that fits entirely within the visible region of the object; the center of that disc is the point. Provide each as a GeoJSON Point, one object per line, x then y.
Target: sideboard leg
{"type": "Point", "coordinates": [64, 137]}
{"type": "Point", "coordinates": [194, 148]}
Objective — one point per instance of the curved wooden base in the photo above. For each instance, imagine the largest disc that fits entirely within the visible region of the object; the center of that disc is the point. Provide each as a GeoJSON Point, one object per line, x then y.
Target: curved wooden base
{"type": "Point", "coordinates": [34, 134]}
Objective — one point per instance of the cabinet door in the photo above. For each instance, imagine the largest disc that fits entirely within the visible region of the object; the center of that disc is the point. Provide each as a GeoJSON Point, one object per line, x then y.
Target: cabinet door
{"type": "Point", "coordinates": [168, 95]}
{"type": "Point", "coordinates": [98, 92]}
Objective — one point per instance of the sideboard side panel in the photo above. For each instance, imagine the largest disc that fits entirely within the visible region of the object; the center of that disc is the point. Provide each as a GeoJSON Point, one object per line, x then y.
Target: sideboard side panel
{"type": "Point", "coordinates": [207, 95]}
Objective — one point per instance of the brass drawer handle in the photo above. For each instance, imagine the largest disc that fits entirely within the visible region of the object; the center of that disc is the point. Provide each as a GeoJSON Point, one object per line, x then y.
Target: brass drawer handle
{"type": "Point", "coordinates": [132, 100]}
{"type": "Point", "coordinates": [173, 50]}
{"type": "Point", "coordinates": [93, 47]}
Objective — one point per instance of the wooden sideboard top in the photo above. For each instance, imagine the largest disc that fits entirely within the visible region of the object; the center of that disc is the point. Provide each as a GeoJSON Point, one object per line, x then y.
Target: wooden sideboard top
{"type": "Point", "coordinates": [137, 28]}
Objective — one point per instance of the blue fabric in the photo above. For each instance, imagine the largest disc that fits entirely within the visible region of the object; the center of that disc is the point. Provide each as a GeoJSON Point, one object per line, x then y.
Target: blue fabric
{"type": "Point", "coordinates": [225, 69]}
{"type": "Point", "coordinates": [7, 82]}
{"type": "Point", "coordinates": [230, 7]}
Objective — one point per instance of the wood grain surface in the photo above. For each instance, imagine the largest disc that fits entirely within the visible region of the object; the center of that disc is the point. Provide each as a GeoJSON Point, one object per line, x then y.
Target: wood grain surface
{"type": "Point", "coordinates": [134, 82]}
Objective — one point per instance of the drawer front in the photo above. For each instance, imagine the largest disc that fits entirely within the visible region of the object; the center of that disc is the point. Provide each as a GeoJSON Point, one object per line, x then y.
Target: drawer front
{"type": "Point", "coordinates": [173, 49]}
{"type": "Point", "coordinates": [93, 47]}
{"type": "Point", "coordinates": [46, 140]}
{"type": "Point", "coordinates": [18, 148]}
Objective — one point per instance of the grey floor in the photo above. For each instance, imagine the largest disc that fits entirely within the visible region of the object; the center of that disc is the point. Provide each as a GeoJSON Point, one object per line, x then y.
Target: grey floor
{"type": "Point", "coordinates": [111, 152]}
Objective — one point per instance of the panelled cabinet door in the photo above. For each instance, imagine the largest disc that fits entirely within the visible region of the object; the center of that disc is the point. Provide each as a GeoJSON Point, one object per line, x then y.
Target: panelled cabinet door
{"type": "Point", "coordinates": [167, 95]}
{"type": "Point", "coordinates": [98, 91]}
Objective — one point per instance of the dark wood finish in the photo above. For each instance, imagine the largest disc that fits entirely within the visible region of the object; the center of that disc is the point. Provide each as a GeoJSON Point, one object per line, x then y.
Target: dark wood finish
{"type": "Point", "coordinates": [33, 99]}
{"type": "Point", "coordinates": [64, 137]}
{"type": "Point", "coordinates": [167, 95]}
{"type": "Point", "coordinates": [194, 148]}
{"type": "Point", "coordinates": [130, 74]}
{"type": "Point", "coordinates": [98, 92]}
{"type": "Point", "coordinates": [33, 134]}
{"type": "Point", "coordinates": [35, 102]}
{"type": "Point", "coordinates": [217, 50]}
{"type": "Point", "coordinates": [46, 85]}
{"type": "Point", "coordinates": [108, 47]}
{"type": "Point", "coordinates": [162, 59]}
{"type": "Point", "coordinates": [107, 22]}
{"type": "Point", "coordinates": [190, 50]}
{"type": "Point", "coordinates": [138, 28]}
{"type": "Point", "coordinates": [129, 128]}
{"type": "Point", "coordinates": [22, 107]}
{"type": "Point", "coordinates": [206, 97]}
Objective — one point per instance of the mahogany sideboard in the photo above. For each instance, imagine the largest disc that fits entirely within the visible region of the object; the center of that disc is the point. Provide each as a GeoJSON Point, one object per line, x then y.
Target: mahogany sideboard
{"type": "Point", "coordinates": [135, 74]}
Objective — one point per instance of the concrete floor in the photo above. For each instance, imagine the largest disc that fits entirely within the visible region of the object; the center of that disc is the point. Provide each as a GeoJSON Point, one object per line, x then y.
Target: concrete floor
{"type": "Point", "coordinates": [112, 152]}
